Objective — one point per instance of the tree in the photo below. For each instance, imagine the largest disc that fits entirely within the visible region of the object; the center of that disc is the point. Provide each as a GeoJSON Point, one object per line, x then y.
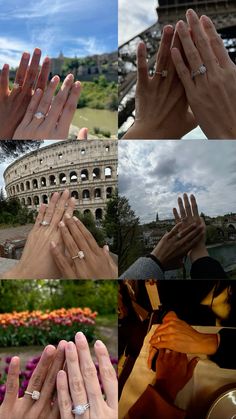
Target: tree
{"type": "Point", "coordinates": [14, 149]}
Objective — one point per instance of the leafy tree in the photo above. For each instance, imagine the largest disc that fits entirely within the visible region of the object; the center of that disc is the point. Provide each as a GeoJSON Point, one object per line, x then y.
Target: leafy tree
{"type": "Point", "coordinates": [14, 149]}
{"type": "Point", "coordinates": [89, 222]}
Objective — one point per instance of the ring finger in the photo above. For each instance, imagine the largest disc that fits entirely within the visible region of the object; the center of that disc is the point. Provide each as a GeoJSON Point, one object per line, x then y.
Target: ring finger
{"type": "Point", "coordinates": [51, 208]}
{"type": "Point", "coordinates": [163, 54]}
{"type": "Point", "coordinates": [181, 209]}
{"type": "Point", "coordinates": [22, 69]}
{"type": "Point", "coordinates": [187, 206]}
{"type": "Point", "coordinates": [46, 100]}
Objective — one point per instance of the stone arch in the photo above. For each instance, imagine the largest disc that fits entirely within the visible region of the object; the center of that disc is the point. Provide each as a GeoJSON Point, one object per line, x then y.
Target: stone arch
{"type": "Point", "coordinates": [17, 188]}
{"type": "Point", "coordinates": [62, 178]}
{"type": "Point", "coordinates": [22, 187]}
{"type": "Point", "coordinates": [97, 193]}
{"type": "Point", "coordinates": [29, 201]}
{"type": "Point", "coordinates": [73, 177]}
{"type": "Point", "coordinates": [44, 199]}
{"type": "Point", "coordinates": [108, 172]}
{"type": "Point", "coordinates": [35, 183]}
{"type": "Point", "coordinates": [84, 175]}
{"type": "Point", "coordinates": [43, 181]}
{"type": "Point", "coordinates": [98, 214]}
{"type": "Point", "coordinates": [109, 192]}
{"type": "Point", "coordinates": [52, 180]}
{"type": "Point", "coordinates": [23, 201]}
{"type": "Point", "coordinates": [87, 211]}
{"type": "Point", "coordinates": [36, 200]}
{"type": "Point", "coordinates": [14, 190]}
{"type": "Point", "coordinates": [86, 194]}
{"type": "Point", "coordinates": [27, 185]}
{"type": "Point", "coordinates": [96, 173]}
{"type": "Point", "coordinates": [75, 194]}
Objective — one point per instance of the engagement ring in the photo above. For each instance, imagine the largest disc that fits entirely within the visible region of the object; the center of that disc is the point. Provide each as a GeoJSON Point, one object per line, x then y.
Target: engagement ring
{"type": "Point", "coordinates": [163, 73]}
{"type": "Point", "coordinates": [80, 409]}
{"type": "Point", "coordinates": [44, 223]}
{"type": "Point", "coordinates": [39, 115]}
{"type": "Point", "coordinates": [201, 71]}
{"type": "Point", "coordinates": [79, 255]}
{"type": "Point", "coordinates": [35, 395]}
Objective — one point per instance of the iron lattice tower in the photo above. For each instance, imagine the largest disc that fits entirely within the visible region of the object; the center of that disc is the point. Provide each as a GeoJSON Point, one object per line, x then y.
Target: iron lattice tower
{"type": "Point", "coordinates": [223, 14]}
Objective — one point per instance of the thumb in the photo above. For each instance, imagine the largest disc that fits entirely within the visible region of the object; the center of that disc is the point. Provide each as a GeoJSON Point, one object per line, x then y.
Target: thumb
{"type": "Point", "coordinates": [169, 316]}
{"type": "Point", "coordinates": [191, 366]}
{"type": "Point", "coordinates": [106, 248]}
{"type": "Point", "coordinates": [83, 134]}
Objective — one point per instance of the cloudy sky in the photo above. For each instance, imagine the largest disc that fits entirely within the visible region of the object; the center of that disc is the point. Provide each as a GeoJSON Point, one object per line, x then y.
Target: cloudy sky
{"type": "Point", "coordinates": [152, 174]}
{"type": "Point", "coordinates": [74, 27]}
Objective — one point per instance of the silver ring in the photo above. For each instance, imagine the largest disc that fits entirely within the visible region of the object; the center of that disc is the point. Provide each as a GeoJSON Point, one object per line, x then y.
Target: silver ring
{"type": "Point", "coordinates": [35, 395]}
{"type": "Point", "coordinates": [79, 255]}
{"type": "Point", "coordinates": [44, 223]}
{"type": "Point", "coordinates": [163, 73]}
{"type": "Point", "coordinates": [16, 85]}
{"type": "Point", "coordinates": [80, 409]}
{"type": "Point", "coordinates": [39, 115]}
{"type": "Point", "coordinates": [201, 71]}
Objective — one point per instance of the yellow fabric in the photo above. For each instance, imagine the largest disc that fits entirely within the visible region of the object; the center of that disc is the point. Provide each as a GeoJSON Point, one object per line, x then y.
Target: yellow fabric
{"type": "Point", "coordinates": [219, 305]}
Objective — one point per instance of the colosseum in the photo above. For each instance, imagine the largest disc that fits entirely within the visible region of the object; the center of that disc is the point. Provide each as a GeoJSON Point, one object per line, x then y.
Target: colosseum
{"type": "Point", "coordinates": [87, 168]}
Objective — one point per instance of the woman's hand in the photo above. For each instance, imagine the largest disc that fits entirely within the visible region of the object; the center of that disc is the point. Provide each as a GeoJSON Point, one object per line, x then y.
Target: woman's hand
{"type": "Point", "coordinates": [211, 94]}
{"type": "Point", "coordinates": [43, 380]}
{"type": "Point", "coordinates": [13, 103]}
{"type": "Point", "coordinates": [176, 244]}
{"type": "Point", "coordinates": [161, 108]}
{"type": "Point", "coordinates": [94, 263]}
{"type": "Point", "coordinates": [177, 335]}
{"type": "Point", "coordinates": [173, 371]}
{"type": "Point", "coordinates": [37, 261]}
{"type": "Point", "coordinates": [80, 384]}
{"type": "Point", "coordinates": [49, 117]}
{"type": "Point", "coordinates": [188, 214]}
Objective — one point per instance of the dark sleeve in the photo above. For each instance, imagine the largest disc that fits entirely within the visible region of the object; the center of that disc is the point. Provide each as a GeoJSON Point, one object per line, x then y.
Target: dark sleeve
{"type": "Point", "coordinates": [143, 268]}
{"type": "Point", "coordinates": [207, 268]}
{"type": "Point", "coordinates": [225, 356]}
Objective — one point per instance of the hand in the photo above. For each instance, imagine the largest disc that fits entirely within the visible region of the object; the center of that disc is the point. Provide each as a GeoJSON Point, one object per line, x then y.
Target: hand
{"type": "Point", "coordinates": [97, 262]}
{"type": "Point", "coordinates": [80, 385]}
{"type": "Point", "coordinates": [13, 103]}
{"type": "Point", "coordinates": [176, 244]}
{"type": "Point", "coordinates": [37, 261]}
{"type": "Point", "coordinates": [212, 94]}
{"type": "Point", "coordinates": [56, 113]}
{"type": "Point", "coordinates": [43, 380]}
{"type": "Point", "coordinates": [188, 214]}
{"type": "Point", "coordinates": [173, 371]}
{"type": "Point", "coordinates": [177, 335]}
{"type": "Point", "coordinates": [161, 108]}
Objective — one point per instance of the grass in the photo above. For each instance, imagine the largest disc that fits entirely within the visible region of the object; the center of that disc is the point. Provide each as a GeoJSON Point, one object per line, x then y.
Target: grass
{"type": "Point", "coordinates": [106, 320]}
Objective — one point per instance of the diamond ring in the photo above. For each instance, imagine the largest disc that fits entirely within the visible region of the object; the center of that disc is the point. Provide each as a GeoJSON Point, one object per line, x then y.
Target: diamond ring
{"type": "Point", "coordinates": [80, 409]}
{"type": "Point", "coordinates": [16, 85]}
{"type": "Point", "coordinates": [44, 223]}
{"type": "Point", "coordinates": [201, 71]}
{"type": "Point", "coordinates": [39, 115]}
{"type": "Point", "coordinates": [163, 73]}
{"type": "Point", "coordinates": [79, 255]}
{"type": "Point", "coordinates": [35, 395]}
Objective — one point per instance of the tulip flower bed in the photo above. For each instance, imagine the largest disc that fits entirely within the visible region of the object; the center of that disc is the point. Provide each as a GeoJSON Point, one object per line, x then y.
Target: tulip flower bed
{"type": "Point", "coordinates": [40, 328]}
{"type": "Point", "coordinates": [26, 373]}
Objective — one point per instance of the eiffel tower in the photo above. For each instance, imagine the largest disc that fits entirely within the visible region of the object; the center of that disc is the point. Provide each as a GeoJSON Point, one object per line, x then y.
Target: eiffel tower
{"type": "Point", "coordinates": [223, 14]}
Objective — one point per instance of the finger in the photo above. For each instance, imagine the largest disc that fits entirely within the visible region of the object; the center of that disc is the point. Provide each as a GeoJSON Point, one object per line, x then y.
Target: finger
{"type": "Point", "coordinates": [176, 215]}
{"type": "Point", "coordinates": [108, 374]}
{"type": "Point", "coordinates": [191, 366]}
{"type": "Point", "coordinates": [68, 111]}
{"type": "Point", "coordinates": [169, 316]}
{"type": "Point", "coordinates": [182, 70]}
{"type": "Point", "coordinates": [88, 372]}
{"type": "Point", "coordinates": [190, 237]}
{"type": "Point", "coordinates": [191, 242]}
{"type": "Point", "coordinates": [201, 41]}
{"type": "Point", "coordinates": [61, 207]}
{"type": "Point", "coordinates": [39, 374]}
{"type": "Point", "coordinates": [70, 206]}
{"type": "Point", "coordinates": [76, 383]}
{"type": "Point", "coordinates": [59, 101]}
{"type": "Point", "coordinates": [142, 68]}
{"type": "Point", "coordinates": [32, 71]}
{"type": "Point", "coordinates": [64, 399]}
{"type": "Point", "coordinates": [181, 208]}
{"type": "Point", "coordinates": [12, 384]}
{"type": "Point", "coordinates": [69, 242]}
{"type": "Point", "coordinates": [194, 206]}
{"type": "Point", "coordinates": [216, 42]}
{"type": "Point", "coordinates": [51, 207]}
{"type": "Point", "coordinates": [43, 75]}
{"type": "Point", "coordinates": [83, 134]}
{"type": "Point", "coordinates": [40, 216]}
{"type": "Point", "coordinates": [32, 107]}
{"type": "Point", "coordinates": [49, 384]}
{"type": "Point", "coordinates": [88, 241]}
{"type": "Point", "coordinates": [163, 54]}
{"type": "Point", "coordinates": [190, 50]}
{"type": "Point", "coordinates": [62, 262]}
{"type": "Point", "coordinates": [46, 99]}
{"type": "Point", "coordinates": [187, 206]}
{"type": "Point", "coordinates": [183, 232]}
{"type": "Point", "coordinates": [84, 241]}
{"type": "Point", "coordinates": [22, 69]}
{"type": "Point", "coordinates": [151, 355]}
{"type": "Point", "coordinates": [4, 80]}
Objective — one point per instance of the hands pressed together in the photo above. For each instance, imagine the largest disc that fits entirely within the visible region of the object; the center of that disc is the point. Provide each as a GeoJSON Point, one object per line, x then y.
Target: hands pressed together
{"type": "Point", "coordinates": [64, 379]}
{"type": "Point", "coordinates": [194, 83]}
{"type": "Point", "coordinates": [31, 109]}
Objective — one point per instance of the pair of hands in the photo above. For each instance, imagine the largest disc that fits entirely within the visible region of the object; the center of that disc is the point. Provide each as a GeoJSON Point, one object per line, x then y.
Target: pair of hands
{"type": "Point", "coordinates": [49, 249]}
{"type": "Point", "coordinates": [171, 107]}
{"type": "Point", "coordinates": [176, 335]}
{"type": "Point", "coordinates": [29, 95]}
{"type": "Point", "coordinates": [187, 237]}
{"type": "Point", "coordinates": [60, 391]}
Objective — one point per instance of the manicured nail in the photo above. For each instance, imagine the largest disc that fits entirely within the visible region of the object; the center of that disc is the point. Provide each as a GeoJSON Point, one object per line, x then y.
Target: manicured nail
{"type": "Point", "coordinates": [46, 60]}
{"type": "Point", "coordinates": [181, 24]}
{"type": "Point", "coordinates": [80, 336]}
{"type": "Point", "coordinates": [61, 345]}
{"type": "Point", "coordinates": [5, 67]}
{"type": "Point", "coordinates": [99, 344]}
{"type": "Point", "coordinates": [61, 374]}
{"type": "Point", "coordinates": [26, 55]}
{"type": "Point", "coordinates": [50, 349]}
{"type": "Point", "coordinates": [70, 346]}
{"type": "Point", "coordinates": [14, 360]}
{"type": "Point", "coordinates": [67, 216]}
{"type": "Point", "coordinates": [55, 79]}
{"type": "Point", "coordinates": [37, 51]}
{"type": "Point", "coordinates": [75, 218]}
{"type": "Point", "coordinates": [77, 84]}
{"type": "Point", "coordinates": [62, 224]}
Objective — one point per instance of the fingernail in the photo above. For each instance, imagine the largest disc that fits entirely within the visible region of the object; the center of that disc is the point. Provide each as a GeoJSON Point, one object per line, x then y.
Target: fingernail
{"type": "Point", "coordinates": [62, 224]}
{"type": "Point", "coordinates": [26, 55]}
{"type": "Point", "coordinates": [14, 360]}
{"type": "Point", "coordinates": [77, 84]}
{"type": "Point", "coordinates": [67, 216]}
{"type": "Point", "coordinates": [75, 218]}
{"type": "Point", "coordinates": [70, 346]}
{"type": "Point", "coordinates": [80, 336]}
{"type": "Point", "coordinates": [106, 247]}
{"type": "Point", "coordinates": [53, 244]}
{"type": "Point", "coordinates": [50, 349]}
{"type": "Point", "coordinates": [61, 345]}
{"type": "Point", "coordinates": [38, 91]}
{"type": "Point", "coordinates": [5, 67]}
{"type": "Point", "coordinates": [54, 79]}
{"type": "Point", "coordinates": [181, 24]}
{"type": "Point", "coordinates": [61, 374]}
{"type": "Point", "coordinates": [37, 51]}
{"type": "Point", "coordinates": [99, 344]}
{"type": "Point", "coordinates": [46, 60]}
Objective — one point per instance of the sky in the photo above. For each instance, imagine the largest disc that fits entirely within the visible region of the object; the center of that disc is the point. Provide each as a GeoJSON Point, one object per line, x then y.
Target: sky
{"type": "Point", "coordinates": [75, 27]}
{"type": "Point", "coordinates": [152, 174]}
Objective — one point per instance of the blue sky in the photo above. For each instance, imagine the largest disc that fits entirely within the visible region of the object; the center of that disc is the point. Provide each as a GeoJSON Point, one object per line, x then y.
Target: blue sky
{"type": "Point", "coordinates": [75, 27]}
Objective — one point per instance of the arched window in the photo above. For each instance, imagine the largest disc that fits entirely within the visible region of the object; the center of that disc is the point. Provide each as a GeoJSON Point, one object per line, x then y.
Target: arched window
{"type": "Point", "coordinates": [43, 181]}
{"type": "Point", "coordinates": [73, 177]}
{"type": "Point", "coordinates": [87, 211]}
{"type": "Point", "coordinates": [96, 173]}
{"type": "Point", "coordinates": [22, 188]}
{"type": "Point", "coordinates": [36, 200]}
{"type": "Point", "coordinates": [107, 172]}
{"type": "Point", "coordinates": [14, 190]}
{"type": "Point", "coordinates": [109, 192]}
{"type": "Point", "coordinates": [86, 194]}
{"type": "Point", "coordinates": [98, 214]}
{"type": "Point", "coordinates": [52, 180]}
{"type": "Point", "coordinates": [62, 178]}
{"type": "Point", "coordinates": [23, 201]}
{"type": "Point", "coordinates": [27, 185]}
{"type": "Point", "coordinates": [97, 193]}
{"type": "Point", "coordinates": [29, 201]}
{"type": "Point", "coordinates": [75, 194]}
{"type": "Point", "coordinates": [45, 199]}
{"type": "Point", "coordinates": [84, 175]}
{"type": "Point", "coordinates": [35, 184]}
{"type": "Point", "coordinates": [17, 188]}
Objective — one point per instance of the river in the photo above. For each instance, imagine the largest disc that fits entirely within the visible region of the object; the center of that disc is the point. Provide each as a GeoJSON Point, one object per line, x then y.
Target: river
{"type": "Point", "coordinates": [90, 118]}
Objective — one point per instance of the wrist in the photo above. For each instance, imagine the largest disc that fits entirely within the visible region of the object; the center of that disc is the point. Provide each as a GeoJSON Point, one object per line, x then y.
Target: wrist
{"type": "Point", "coordinates": [142, 129]}
{"type": "Point", "coordinates": [167, 391]}
{"type": "Point", "coordinates": [198, 252]}
{"type": "Point", "coordinates": [208, 343]}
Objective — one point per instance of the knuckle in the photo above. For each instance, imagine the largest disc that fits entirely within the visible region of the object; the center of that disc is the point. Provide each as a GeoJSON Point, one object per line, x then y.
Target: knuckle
{"type": "Point", "coordinates": [71, 107]}
{"type": "Point", "coordinates": [216, 40]}
{"type": "Point", "coordinates": [108, 373]}
{"type": "Point", "coordinates": [193, 55]}
{"type": "Point", "coordinates": [36, 380]}
{"type": "Point", "coordinates": [201, 42]}
{"type": "Point", "coordinates": [60, 100]}
{"type": "Point", "coordinates": [77, 384]}
{"type": "Point", "coordinates": [183, 72]}
{"type": "Point", "coordinates": [89, 371]}
{"type": "Point", "coordinates": [11, 386]}
{"type": "Point", "coordinates": [65, 404]}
